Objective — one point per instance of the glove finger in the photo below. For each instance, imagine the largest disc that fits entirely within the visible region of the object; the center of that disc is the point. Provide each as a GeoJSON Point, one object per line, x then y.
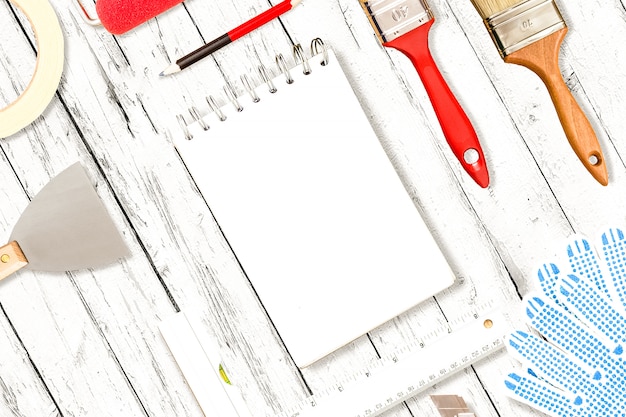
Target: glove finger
{"type": "Point", "coordinates": [544, 397]}
{"type": "Point", "coordinates": [592, 308]}
{"type": "Point", "coordinates": [552, 364]}
{"type": "Point", "coordinates": [614, 252]}
{"type": "Point", "coordinates": [584, 263]}
{"type": "Point", "coordinates": [548, 276]}
{"type": "Point", "coordinates": [563, 330]}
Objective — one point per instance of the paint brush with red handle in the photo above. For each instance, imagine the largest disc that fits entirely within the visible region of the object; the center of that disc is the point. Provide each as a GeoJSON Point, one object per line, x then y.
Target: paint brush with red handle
{"type": "Point", "coordinates": [404, 25]}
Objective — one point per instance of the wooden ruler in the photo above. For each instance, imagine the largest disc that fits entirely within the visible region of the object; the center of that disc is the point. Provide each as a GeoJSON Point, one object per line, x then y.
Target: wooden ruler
{"type": "Point", "coordinates": [396, 378]}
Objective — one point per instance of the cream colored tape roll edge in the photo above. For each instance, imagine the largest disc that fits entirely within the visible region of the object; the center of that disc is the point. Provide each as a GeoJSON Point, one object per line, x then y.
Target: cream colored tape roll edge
{"type": "Point", "coordinates": [48, 69]}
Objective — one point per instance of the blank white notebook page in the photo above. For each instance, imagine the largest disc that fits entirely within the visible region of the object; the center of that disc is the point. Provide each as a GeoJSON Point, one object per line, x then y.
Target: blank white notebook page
{"type": "Point", "coordinates": [314, 211]}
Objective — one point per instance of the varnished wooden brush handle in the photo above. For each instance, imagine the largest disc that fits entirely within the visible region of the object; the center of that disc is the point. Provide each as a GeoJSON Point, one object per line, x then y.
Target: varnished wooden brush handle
{"type": "Point", "coordinates": [12, 259]}
{"type": "Point", "coordinates": [542, 57]}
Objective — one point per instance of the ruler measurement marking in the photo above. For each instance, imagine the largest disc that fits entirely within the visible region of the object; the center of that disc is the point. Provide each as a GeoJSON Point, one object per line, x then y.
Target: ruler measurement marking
{"type": "Point", "coordinates": [405, 377]}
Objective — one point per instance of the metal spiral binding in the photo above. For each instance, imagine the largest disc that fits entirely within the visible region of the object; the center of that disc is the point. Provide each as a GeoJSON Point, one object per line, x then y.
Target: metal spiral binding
{"type": "Point", "coordinates": [232, 97]}
{"type": "Point", "coordinates": [196, 115]}
{"type": "Point", "coordinates": [246, 83]}
{"type": "Point", "coordinates": [317, 47]}
{"type": "Point", "coordinates": [282, 65]}
{"type": "Point", "coordinates": [183, 126]}
{"type": "Point", "coordinates": [298, 54]}
{"type": "Point", "coordinates": [266, 78]}
{"type": "Point", "coordinates": [215, 108]}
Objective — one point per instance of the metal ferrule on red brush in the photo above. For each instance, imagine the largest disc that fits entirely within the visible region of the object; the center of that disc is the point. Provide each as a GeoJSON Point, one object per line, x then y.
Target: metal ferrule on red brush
{"type": "Point", "coordinates": [523, 24]}
{"type": "Point", "coordinates": [394, 18]}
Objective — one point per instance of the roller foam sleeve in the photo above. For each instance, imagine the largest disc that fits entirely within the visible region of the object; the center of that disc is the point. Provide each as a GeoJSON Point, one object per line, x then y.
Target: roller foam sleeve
{"type": "Point", "coordinates": [120, 16]}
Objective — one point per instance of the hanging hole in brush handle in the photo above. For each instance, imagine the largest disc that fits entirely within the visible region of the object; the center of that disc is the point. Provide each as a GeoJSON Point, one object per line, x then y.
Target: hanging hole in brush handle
{"type": "Point", "coordinates": [471, 156]}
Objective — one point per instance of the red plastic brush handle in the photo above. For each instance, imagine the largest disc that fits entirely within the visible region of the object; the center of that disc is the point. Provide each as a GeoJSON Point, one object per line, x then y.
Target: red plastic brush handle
{"type": "Point", "coordinates": [457, 128]}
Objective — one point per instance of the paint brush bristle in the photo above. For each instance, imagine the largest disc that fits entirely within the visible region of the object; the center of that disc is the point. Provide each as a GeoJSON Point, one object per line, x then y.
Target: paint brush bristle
{"type": "Point", "coordinates": [488, 8]}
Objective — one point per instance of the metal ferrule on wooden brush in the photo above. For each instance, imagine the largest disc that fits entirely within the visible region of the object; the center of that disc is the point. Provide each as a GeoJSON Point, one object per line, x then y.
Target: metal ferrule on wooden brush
{"type": "Point", "coordinates": [523, 24]}
{"type": "Point", "coordinates": [394, 18]}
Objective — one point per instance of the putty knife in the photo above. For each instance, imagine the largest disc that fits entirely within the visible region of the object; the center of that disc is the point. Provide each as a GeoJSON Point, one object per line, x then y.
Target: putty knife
{"type": "Point", "coordinates": [65, 227]}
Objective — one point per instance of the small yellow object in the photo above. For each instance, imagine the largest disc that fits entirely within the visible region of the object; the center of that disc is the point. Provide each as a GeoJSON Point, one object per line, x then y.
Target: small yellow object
{"type": "Point", "coordinates": [488, 324]}
{"type": "Point", "coordinates": [223, 375]}
{"type": "Point", "coordinates": [5, 258]}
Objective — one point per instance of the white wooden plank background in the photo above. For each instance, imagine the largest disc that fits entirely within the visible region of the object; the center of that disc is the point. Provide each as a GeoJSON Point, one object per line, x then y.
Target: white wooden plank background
{"type": "Point", "coordinates": [86, 343]}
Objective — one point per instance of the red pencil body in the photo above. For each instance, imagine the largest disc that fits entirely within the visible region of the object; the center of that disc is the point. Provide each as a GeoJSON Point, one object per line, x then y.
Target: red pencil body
{"type": "Point", "coordinates": [260, 20]}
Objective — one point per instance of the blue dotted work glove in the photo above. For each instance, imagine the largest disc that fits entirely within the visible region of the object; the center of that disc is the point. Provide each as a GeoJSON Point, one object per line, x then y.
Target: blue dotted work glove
{"type": "Point", "coordinates": [579, 369]}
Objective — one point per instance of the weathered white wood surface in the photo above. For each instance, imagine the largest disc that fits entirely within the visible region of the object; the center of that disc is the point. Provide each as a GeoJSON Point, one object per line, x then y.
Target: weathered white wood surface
{"type": "Point", "coordinates": [86, 343]}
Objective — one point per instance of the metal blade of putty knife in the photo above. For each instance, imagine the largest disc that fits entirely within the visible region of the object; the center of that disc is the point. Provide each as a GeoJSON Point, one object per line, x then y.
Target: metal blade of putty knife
{"type": "Point", "coordinates": [65, 227]}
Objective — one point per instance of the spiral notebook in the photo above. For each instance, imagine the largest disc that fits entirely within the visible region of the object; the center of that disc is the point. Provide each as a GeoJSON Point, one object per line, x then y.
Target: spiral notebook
{"type": "Point", "coordinates": [311, 206]}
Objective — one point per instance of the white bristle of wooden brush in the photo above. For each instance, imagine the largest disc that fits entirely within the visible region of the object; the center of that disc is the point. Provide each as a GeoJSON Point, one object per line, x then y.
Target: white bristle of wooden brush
{"type": "Point", "coordinates": [488, 8]}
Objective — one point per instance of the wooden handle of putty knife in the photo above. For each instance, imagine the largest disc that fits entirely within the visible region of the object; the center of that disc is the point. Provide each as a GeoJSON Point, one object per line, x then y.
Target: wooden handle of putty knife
{"type": "Point", "coordinates": [12, 259]}
{"type": "Point", "coordinates": [542, 57]}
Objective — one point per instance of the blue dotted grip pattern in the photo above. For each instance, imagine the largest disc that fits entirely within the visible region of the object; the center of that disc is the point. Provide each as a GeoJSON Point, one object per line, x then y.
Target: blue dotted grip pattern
{"type": "Point", "coordinates": [578, 368]}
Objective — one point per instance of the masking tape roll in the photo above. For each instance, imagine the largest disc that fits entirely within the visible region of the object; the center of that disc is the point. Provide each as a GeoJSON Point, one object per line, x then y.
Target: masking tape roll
{"type": "Point", "coordinates": [48, 69]}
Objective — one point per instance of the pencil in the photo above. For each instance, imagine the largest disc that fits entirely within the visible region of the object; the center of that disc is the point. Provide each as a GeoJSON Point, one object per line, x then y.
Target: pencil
{"type": "Point", "coordinates": [530, 33]}
{"type": "Point", "coordinates": [230, 36]}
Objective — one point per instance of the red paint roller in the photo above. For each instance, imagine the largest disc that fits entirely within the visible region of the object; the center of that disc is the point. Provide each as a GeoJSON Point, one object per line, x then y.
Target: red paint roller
{"type": "Point", "coordinates": [120, 16]}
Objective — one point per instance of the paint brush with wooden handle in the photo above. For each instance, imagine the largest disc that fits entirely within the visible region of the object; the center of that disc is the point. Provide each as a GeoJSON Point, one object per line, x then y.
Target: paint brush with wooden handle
{"type": "Point", "coordinates": [529, 33]}
{"type": "Point", "coordinates": [404, 25]}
